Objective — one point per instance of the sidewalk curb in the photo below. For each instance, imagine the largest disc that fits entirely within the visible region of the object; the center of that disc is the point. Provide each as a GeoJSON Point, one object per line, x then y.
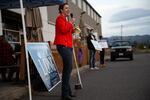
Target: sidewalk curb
{"type": "Point", "coordinates": [15, 92]}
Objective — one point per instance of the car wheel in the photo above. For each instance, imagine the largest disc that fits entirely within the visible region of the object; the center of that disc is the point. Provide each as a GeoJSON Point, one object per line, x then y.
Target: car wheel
{"type": "Point", "coordinates": [131, 58]}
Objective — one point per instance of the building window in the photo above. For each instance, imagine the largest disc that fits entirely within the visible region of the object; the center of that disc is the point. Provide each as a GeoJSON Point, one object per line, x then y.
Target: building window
{"type": "Point", "coordinates": [99, 20]}
{"type": "Point", "coordinates": [95, 16]}
{"type": "Point", "coordinates": [92, 13]}
{"type": "Point", "coordinates": [88, 10]}
{"type": "Point", "coordinates": [84, 6]}
{"type": "Point", "coordinates": [80, 3]}
{"type": "Point", "coordinates": [12, 24]}
{"type": "Point", "coordinates": [74, 1]}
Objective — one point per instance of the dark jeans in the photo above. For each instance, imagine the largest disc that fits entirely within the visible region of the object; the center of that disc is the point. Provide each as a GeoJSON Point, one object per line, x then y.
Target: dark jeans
{"type": "Point", "coordinates": [66, 54]}
{"type": "Point", "coordinates": [92, 58]}
{"type": "Point", "coordinates": [102, 53]}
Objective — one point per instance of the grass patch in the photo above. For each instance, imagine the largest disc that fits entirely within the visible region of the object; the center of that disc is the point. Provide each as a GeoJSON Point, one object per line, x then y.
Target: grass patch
{"type": "Point", "coordinates": [141, 50]}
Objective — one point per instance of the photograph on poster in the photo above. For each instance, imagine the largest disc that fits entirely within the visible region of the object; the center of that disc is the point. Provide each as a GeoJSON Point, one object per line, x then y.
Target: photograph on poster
{"type": "Point", "coordinates": [11, 35]}
{"type": "Point", "coordinates": [45, 64]}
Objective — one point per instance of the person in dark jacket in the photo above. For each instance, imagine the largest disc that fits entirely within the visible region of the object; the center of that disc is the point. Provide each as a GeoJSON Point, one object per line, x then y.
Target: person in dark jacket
{"type": "Point", "coordinates": [102, 54]}
{"type": "Point", "coordinates": [92, 50]}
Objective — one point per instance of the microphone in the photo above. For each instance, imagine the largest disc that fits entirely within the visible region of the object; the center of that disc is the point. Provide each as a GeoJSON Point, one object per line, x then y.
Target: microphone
{"type": "Point", "coordinates": [71, 15]}
{"type": "Point", "coordinates": [77, 29]}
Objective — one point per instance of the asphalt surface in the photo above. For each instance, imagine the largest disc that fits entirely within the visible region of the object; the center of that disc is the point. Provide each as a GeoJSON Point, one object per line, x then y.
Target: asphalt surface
{"type": "Point", "coordinates": [119, 80]}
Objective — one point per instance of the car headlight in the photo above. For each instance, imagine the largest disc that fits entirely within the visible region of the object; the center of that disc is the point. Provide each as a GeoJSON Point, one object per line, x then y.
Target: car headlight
{"type": "Point", "coordinates": [129, 49]}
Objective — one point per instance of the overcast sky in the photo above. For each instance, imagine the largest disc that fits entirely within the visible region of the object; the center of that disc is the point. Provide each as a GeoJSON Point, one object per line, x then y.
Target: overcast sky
{"type": "Point", "coordinates": [133, 15]}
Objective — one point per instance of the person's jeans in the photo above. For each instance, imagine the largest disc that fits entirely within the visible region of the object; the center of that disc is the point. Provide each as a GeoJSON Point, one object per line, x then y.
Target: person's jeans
{"type": "Point", "coordinates": [92, 58]}
{"type": "Point", "coordinates": [66, 54]}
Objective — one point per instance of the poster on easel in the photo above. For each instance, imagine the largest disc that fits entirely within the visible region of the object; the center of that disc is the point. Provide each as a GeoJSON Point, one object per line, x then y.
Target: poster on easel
{"type": "Point", "coordinates": [45, 64]}
{"type": "Point", "coordinates": [96, 45]}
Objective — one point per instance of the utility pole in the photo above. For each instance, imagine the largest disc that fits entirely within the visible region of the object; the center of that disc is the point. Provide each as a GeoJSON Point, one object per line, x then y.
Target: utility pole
{"type": "Point", "coordinates": [121, 31]}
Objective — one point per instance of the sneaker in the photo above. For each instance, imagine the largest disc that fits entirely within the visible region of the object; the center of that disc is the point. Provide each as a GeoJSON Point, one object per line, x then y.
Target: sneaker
{"type": "Point", "coordinates": [92, 68]}
{"type": "Point", "coordinates": [96, 68]}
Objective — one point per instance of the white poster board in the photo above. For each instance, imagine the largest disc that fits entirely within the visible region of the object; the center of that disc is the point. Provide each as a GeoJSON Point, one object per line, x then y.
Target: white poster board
{"type": "Point", "coordinates": [45, 64]}
{"type": "Point", "coordinates": [96, 45]}
{"type": "Point", "coordinates": [103, 43]}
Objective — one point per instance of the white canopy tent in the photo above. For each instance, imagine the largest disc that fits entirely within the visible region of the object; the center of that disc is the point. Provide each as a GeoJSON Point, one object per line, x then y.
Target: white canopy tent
{"type": "Point", "coordinates": [8, 4]}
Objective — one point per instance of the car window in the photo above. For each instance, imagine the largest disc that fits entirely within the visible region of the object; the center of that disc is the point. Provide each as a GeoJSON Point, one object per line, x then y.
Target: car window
{"type": "Point", "coordinates": [120, 43]}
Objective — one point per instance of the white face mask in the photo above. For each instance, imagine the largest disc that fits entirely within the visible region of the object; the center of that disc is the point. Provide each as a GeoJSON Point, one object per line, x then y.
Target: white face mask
{"type": "Point", "coordinates": [92, 36]}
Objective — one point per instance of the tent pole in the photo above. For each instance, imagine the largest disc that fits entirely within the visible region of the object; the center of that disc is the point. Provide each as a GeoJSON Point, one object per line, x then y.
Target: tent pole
{"type": "Point", "coordinates": [26, 52]}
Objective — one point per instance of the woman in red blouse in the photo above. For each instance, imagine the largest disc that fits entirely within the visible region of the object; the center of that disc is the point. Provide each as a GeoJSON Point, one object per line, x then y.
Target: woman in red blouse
{"type": "Point", "coordinates": [64, 42]}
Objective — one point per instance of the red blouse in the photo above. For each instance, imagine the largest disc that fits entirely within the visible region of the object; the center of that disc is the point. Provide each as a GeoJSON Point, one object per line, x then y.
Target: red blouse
{"type": "Point", "coordinates": [63, 30]}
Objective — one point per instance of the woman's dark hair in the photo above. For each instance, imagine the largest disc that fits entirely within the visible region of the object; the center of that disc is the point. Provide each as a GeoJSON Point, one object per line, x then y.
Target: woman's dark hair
{"type": "Point", "coordinates": [62, 6]}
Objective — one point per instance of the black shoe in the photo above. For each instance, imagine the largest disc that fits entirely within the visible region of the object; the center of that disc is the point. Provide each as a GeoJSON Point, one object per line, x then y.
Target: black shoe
{"type": "Point", "coordinates": [66, 98]}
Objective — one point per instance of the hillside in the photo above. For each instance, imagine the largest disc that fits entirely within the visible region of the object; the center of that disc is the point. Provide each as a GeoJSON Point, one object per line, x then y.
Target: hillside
{"type": "Point", "coordinates": [135, 40]}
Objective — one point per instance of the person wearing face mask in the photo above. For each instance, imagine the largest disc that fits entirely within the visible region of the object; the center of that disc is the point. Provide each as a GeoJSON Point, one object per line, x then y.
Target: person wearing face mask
{"type": "Point", "coordinates": [64, 43]}
{"type": "Point", "coordinates": [92, 50]}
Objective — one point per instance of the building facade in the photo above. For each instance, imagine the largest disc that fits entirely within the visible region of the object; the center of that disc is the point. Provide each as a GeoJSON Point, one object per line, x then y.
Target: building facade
{"type": "Point", "coordinates": [86, 18]}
